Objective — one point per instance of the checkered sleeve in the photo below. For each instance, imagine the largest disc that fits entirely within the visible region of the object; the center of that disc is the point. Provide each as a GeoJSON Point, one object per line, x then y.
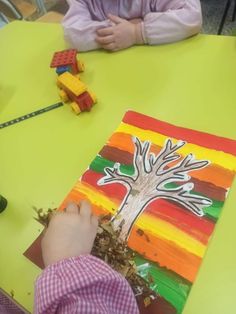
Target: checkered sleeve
{"type": "Point", "coordinates": [83, 284]}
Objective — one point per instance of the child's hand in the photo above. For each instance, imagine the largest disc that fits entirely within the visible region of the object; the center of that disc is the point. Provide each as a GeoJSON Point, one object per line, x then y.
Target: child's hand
{"type": "Point", "coordinates": [70, 233]}
{"type": "Point", "coordinates": [121, 35]}
{"type": "Point", "coordinates": [136, 21]}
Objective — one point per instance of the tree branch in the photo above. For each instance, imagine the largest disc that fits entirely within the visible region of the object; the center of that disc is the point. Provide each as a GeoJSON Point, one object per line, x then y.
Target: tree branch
{"type": "Point", "coordinates": [179, 173]}
{"type": "Point", "coordinates": [113, 175]}
{"type": "Point", "coordinates": [195, 203]}
{"type": "Point", "coordinates": [166, 156]}
{"type": "Point", "coordinates": [140, 160]}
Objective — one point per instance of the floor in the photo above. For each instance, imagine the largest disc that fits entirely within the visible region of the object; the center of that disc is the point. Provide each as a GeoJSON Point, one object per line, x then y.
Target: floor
{"type": "Point", "coordinates": [212, 13]}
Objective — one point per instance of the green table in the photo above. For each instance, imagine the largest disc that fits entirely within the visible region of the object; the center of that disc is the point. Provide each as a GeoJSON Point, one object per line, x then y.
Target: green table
{"type": "Point", "coordinates": [191, 84]}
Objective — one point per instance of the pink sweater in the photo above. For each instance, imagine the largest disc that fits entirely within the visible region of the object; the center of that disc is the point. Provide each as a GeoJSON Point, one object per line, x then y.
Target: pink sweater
{"type": "Point", "coordinates": [164, 21]}
{"type": "Point", "coordinates": [83, 285]}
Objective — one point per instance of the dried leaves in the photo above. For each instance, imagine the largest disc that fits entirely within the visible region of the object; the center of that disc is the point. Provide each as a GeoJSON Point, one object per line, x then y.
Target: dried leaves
{"type": "Point", "coordinates": [109, 248]}
{"type": "Point", "coordinates": [43, 217]}
{"type": "Point", "coordinates": [116, 253]}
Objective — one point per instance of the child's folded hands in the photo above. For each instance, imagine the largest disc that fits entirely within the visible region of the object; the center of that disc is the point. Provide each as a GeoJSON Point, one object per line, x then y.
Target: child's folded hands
{"type": "Point", "coordinates": [120, 35]}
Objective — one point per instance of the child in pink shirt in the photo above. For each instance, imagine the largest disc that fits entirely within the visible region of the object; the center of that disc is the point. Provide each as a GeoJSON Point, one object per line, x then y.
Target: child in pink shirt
{"type": "Point", "coordinates": [119, 24]}
{"type": "Point", "coordinates": [73, 280]}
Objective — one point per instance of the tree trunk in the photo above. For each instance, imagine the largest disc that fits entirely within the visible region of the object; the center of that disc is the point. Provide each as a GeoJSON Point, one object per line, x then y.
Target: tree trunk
{"type": "Point", "coordinates": [131, 208]}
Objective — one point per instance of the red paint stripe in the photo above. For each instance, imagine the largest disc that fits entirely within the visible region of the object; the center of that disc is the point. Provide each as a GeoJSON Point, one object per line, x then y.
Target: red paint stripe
{"type": "Point", "coordinates": [160, 208]}
{"type": "Point", "coordinates": [195, 137]}
{"type": "Point", "coordinates": [200, 228]}
{"type": "Point", "coordinates": [115, 190]}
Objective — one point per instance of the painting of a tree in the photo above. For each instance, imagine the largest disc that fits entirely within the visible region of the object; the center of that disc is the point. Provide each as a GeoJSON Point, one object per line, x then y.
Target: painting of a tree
{"type": "Point", "coordinates": [151, 180]}
{"type": "Point", "coordinates": [165, 197]}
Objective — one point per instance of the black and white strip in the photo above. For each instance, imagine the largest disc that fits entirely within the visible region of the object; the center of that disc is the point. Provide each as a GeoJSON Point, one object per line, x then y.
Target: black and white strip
{"type": "Point", "coordinates": [30, 115]}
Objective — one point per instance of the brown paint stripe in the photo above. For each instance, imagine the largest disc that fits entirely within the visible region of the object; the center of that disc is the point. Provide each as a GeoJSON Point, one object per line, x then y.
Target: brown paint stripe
{"type": "Point", "coordinates": [209, 189]}
{"type": "Point", "coordinates": [158, 306]}
{"type": "Point", "coordinates": [213, 173]}
{"type": "Point", "coordinates": [203, 187]}
{"type": "Point", "coordinates": [116, 155]}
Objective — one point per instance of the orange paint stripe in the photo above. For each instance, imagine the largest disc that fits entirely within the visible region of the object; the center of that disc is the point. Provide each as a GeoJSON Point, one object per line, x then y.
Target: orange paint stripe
{"type": "Point", "coordinates": [166, 254]}
{"type": "Point", "coordinates": [76, 196]}
{"type": "Point", "coordinates": [122, 141]}
{"type": "Point", "coordinates": [215, 174]}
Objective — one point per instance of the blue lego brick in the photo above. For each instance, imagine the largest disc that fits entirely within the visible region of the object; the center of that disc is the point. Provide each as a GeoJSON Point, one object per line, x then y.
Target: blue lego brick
{"type": "Point", "coordinates": [63, 69]}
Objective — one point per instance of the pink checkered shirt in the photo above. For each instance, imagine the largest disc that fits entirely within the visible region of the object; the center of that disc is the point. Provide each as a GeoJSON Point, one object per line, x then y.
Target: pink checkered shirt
{"type": "Point", "coordinates": [85, 285]}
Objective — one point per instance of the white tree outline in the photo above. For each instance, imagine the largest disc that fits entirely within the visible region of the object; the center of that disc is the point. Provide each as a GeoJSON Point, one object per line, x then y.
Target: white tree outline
{"type": "Point", "coordinates": [149, 182]}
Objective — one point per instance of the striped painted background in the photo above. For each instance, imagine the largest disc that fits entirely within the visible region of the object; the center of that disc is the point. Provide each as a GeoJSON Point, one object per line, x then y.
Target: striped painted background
{"type": "Point", "coordinates": [174, 240]}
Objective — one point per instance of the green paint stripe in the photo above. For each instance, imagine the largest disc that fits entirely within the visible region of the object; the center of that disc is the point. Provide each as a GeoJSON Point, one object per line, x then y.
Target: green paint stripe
{"type": "Point", "coordinates": [170, 286]}
{"type": "Point", "coordinates": [213, 211]}
{"type": "Point", "coordinates": [99, 163]}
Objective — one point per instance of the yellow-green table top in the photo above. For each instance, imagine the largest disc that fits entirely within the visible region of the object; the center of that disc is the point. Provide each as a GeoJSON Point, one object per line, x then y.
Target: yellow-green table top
{"type": "Point", "coordinates": [191, 84]}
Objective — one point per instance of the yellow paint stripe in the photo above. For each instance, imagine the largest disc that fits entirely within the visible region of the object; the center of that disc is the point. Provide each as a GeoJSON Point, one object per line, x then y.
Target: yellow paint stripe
{"type": "Point", "coordinates": [220, 158]}
{"type": "Point", "coordinates": [95, 197]}
{"type": "Point", "coordinates": [165, 230]}
{"type": "Point", "coordinates": [155, 226]}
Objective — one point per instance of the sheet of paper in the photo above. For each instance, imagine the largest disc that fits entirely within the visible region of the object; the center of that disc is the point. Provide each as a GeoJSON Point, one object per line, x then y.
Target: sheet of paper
{"type": "Point", "coordinates": [165, 186]}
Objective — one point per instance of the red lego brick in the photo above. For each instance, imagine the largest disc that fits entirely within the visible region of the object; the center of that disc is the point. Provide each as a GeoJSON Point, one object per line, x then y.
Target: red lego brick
{"type": "Point", "coordinates": [74, 68]}
{"type": "Point", "coordinates": [65, 57]}
{"type": "Point", "coordinates": [84, 101]}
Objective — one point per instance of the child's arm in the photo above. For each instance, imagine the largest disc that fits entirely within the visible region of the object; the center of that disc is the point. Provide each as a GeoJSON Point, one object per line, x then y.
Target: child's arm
{"type": "Point", "coordinates": [74, 281]}
{"type": "Point", "coordinates": [80, 28]}
{"type": "Point", "coordinates": [169, 21]}
{"type": "Point", "coordinates": [83, 284]}
{"type": "Point", "coordinates": [179, 19]}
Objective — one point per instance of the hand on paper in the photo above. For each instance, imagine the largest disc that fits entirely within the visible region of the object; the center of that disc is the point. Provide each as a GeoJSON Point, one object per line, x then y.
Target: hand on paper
{"type": "Point", "coordinates": [70, 233]}
{"type": "Point", "coordinates": [122, 34]}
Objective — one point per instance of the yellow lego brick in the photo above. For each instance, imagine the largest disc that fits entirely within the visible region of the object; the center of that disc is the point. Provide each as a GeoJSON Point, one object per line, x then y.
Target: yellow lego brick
{"type": "Point", "coordinates": [75, 107]}
{"type": "Point", "coordinates": [71, 83]}
{"type": "Point", "coordinates": [93, 96]}
{"type": "Point", "coordinates": [63, 95]}
{"type": "Point", "coordinates": [80, 66]}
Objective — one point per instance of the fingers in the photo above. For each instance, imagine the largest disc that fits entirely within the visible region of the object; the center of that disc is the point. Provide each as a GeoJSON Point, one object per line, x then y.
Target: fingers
{"type": "Point", "coordinates": [107, 31]}
{"type": "Point", "coordinates": [51, 218]}
{"type": "Point", "coordinates": [94, 221]}
{"type": "Point", "coordinates": [72, 208]}
{"type": "Point", "coordinates": [111, 47]}
{"type": "Point", "coordinates": [85, 209]}
{"type": "Point", "coordinates": [115, 19]}
{"type": "Point", "coordinates": [105, 40]}
{"type": "Point", "coordinates": [86, 213]}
